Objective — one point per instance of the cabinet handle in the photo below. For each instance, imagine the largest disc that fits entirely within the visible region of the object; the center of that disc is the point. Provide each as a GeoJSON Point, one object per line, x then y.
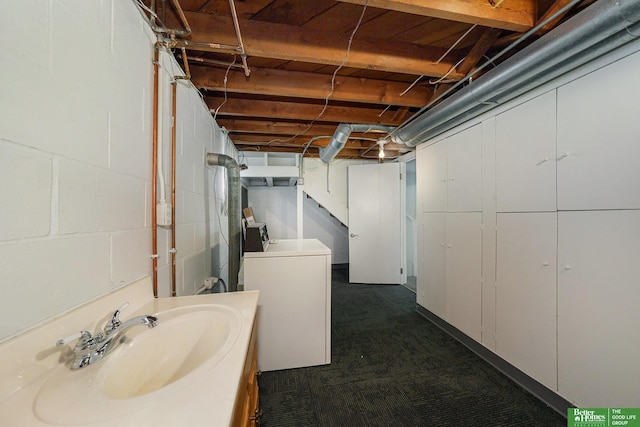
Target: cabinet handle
{"type": "Point", "coordinates": [353, 235]}
{"type": "Point", "coordinates": [567, 267]}
{"type": "Point", "coordinates": [257, 415]}
{"type": "Point", "coordinates": [545, 160]}
{"type": "Point", "coordinates": [546, 264]}
{"type": "Point", "coordinates": [563, 155]}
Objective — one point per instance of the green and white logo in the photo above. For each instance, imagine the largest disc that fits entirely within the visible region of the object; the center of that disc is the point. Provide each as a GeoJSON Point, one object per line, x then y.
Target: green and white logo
{"type": "Point", "coordinates": [603, 417]}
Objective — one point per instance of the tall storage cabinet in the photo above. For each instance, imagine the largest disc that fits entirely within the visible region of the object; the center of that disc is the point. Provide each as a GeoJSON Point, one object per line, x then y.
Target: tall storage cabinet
{"type": "Point", "coordinates": [450, 250]}
{"type": "Point", "coordinates": [526, 293]}
{"type": "Point", "coordinates": [598, 307]}
{"type": "Point", "coordinates": [562, 190]}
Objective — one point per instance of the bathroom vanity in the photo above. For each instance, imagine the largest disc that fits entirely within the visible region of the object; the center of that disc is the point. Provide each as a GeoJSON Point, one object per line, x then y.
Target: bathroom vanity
{"type": "Point", "coordinates": [294, 313]}
{"type": "Point", "coordinates": [196, 367]}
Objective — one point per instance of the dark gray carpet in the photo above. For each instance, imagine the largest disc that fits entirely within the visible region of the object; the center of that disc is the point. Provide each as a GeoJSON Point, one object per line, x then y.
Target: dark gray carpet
{"type": "Point", "coordinates": [392, 367]}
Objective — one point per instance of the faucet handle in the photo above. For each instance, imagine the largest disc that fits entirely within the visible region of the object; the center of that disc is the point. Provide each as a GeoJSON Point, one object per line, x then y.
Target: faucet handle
{"type": "Point", "coordinates": [114, 323]}
{"type": "Point", "coordinates": [83, 337]}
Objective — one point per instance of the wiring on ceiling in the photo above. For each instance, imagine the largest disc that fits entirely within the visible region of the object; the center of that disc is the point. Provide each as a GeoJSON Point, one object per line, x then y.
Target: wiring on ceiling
{"type": "Point", "coordinates": [457, 42]}
{"type": "Point", "coordinates": [226, 77]}
{"type": "Point", "coordinates": [333, 83]}
{"type": "Point", "coordinates": [469, 76]}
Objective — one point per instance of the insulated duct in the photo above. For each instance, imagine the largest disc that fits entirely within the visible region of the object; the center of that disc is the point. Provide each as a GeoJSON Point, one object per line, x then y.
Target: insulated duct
{"type": "Point", "coordinates": [602, 27]}
{"type": "Point", "coordinates": [341, 135]}
{"type": "Point", "coordinates": [234, 205]}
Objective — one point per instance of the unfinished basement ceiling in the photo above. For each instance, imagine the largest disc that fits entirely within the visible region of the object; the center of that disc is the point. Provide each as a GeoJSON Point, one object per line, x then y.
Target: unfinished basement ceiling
{"type": "Point", "coordinates": [306, 76]}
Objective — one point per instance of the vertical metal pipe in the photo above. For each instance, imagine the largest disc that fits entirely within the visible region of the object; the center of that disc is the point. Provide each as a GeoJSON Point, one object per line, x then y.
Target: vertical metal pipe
{"type": "Point", "coordinates": [174, 109]}
{"type": "Point", "coordinates": [234, 226]}
{"type": "Point", "coordinates": [154, 170]}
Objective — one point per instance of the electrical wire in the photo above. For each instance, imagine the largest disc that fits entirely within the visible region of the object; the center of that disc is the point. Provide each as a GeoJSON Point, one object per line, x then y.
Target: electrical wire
{"type": "Point", "coordinates": [469, 76]}
{"type": "Point", "coordinates": [457, 42]}
{"type": "Point", "coordinates": [333, 80]}
{"type": "Point", "coordinates": [226, 77]}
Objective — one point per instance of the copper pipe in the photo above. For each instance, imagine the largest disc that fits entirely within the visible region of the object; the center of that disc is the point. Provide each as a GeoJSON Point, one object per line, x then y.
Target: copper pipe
{"type": "Point", "coordinates": [154, 170]}
{"type": "Point", "coordinates": [185, 60]}
{"type": "Point", "coordinates": [174, 125]}
{"type": "Point", "coordinates": [174, 90]}
{"type": "Point", "coordinates": [215, 62]}
{"type": "Point", "coordinates": [210, 47]}
{"type": "Point", "coordinates": [162, 28]}
{"type": "Point", "coordinates": [183, 18]}
{"type": "Point", "coordinates": [236, 25]}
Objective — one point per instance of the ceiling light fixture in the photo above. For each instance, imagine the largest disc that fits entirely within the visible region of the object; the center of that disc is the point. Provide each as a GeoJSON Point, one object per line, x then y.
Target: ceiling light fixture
{"type": "Point", "coordinates": [381, 143]}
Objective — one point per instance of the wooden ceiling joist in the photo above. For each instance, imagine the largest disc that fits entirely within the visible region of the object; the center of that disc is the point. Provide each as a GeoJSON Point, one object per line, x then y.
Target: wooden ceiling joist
{"type": "Point", "coordinates": [513, 15]}
{"type": "Point", "coordinates": [292, 43]}
{"type": "Point", "coordinates": [308, 85]}
{"type": "Point", "coordinates": [299, 111]}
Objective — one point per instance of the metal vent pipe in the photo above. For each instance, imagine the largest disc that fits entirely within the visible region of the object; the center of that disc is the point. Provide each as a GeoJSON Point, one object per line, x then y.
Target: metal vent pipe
{"type": "Point", "coordinates": [341, 135]}
{"type": "Point", "coordinates": [602, 27]}
{"type": "Point", "coordinates": [234, 204]}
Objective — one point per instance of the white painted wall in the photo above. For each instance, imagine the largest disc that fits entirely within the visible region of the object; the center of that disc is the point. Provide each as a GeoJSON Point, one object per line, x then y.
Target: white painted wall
{"type": "Point", "coordinates": [75, 159]}
{"type": "Point", "coordinates": [277, 206]}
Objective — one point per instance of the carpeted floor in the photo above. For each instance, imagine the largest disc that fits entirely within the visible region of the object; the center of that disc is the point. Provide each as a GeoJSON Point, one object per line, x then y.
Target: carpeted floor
{"type": "Point", "coordinates": [392, 367]}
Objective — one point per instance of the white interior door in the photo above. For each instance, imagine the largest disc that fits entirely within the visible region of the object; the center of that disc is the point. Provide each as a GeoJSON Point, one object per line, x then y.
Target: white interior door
{"type": "Point", "coordinates": [376, 223]}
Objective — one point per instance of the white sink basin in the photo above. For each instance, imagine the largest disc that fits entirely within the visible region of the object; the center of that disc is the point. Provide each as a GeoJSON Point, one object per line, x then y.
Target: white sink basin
{"type": "Point", "coordinates": [187, 342]}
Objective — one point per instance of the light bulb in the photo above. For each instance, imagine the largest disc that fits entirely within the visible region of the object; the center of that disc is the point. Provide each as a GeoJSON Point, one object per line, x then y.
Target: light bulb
{"type": "Point", "coordinates": [381, 151]}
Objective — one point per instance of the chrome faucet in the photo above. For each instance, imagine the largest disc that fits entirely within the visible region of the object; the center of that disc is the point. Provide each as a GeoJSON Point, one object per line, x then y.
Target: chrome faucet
{"type": "Point", "coordinates": [89, 349]}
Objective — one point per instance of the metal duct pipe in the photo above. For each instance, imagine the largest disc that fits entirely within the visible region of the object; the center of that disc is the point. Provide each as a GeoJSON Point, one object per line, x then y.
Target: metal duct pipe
{"type": "Point", "coordinates": [598, 29]}
{"type": "Point", "coordinates": [233, 194]}
{"type": "Point", "coordinates": [341, 135]}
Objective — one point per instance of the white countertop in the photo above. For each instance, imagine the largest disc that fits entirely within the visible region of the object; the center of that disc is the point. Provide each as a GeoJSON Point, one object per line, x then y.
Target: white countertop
{"type": "Point", "coordinates": [291, 247]}
{"type": "Point", "coordinates": [29, 360]}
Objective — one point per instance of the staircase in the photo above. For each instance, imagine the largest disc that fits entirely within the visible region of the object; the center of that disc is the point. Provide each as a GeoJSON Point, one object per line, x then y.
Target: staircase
{"type": "Point", "coordinates": [326, 201]}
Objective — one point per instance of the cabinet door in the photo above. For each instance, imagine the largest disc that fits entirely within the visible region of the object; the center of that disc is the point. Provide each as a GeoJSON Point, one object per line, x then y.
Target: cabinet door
{"type": "Point", "coordinates": [526, 156]}
{"type": "Point", "coordinates": [464, 171]}
{"type": "Point", "coordinates": [526, 293]}
{"type": "Point", "coordinates": [432, 162]}
{"type": "Point", "coordinates": [431, 289]}
{"type": "Point", "coordinates": [599, 307]}
{"type": "Point", "coordinates": [464, 272]}
{"type": "Point", "coordinates": [598, 148]}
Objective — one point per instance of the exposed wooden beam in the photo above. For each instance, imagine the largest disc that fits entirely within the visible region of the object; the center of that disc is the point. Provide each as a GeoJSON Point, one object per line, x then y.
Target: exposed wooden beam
{"type": "Point", "coordinates": [273, 141]}
{"type": "Point", "coordinates": [275, 127]}
{"type": "Point", "coordinates": [287, 42]}
{"type": "Point", "coordinates": [486, 40]}
{"type": "Point", "coordinates": [513, 15]}
{"type": "Point", "coordinates": [556, 6]}
{"type": "Point", "coordinates": [299, 111]}
{"type": "Point", "coordinates": [264, 81]}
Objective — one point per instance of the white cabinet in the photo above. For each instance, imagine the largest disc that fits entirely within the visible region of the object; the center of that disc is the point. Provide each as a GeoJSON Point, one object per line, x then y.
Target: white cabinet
{"type": "Point", "coordinates": [433, 177]}
{"type": "Point", "coordinates": [526, 156]}
{"type": "Point", "coordinates": [431, 291]}
{"type": "Point", "coordinates": [599, 307]}
{"type": "Point", "coordinates": [451, 257]}
{"type": "Point", "coordinates": [526, 293]}
{"type": "Point", "coordinates": [452, 173]}
{"type": "Point", "coordinates": [464, 171]}
{"type": "Point", "coordinates": [598, 150]}
{"type": "Point", "coordinates": [294, 307]}
{"type": "Point", "coordinates": [464, 272]}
